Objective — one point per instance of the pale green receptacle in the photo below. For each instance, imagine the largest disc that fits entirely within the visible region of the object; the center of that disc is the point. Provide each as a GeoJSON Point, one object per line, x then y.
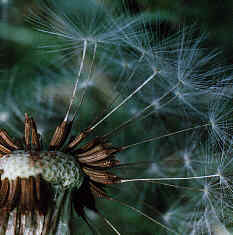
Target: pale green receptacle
{"type": "Point", "coordinates": [55, 167]}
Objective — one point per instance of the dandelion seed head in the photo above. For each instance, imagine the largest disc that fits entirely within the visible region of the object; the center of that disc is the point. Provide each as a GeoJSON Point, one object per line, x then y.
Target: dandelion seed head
{"type": "Point", "coordinates": [219, 117]}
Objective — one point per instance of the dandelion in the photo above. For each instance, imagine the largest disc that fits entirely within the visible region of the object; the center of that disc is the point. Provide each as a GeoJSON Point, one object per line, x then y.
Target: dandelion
{"type": "Point", "coordinates": [133, 114]}
{"type": "Point", "coordinates": [34, 180]}
{"type": "Point", "coordinates": [25, 171]}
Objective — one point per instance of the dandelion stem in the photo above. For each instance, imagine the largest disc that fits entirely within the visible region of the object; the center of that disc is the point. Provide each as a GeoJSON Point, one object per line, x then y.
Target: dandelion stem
{"type": "Point", "coordinates": [125, 100]}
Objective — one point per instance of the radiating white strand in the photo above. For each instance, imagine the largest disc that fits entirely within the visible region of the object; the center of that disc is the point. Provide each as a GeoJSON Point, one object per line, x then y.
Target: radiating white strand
{"type": "Point", "coordinates": [140, 113]}
{"type": "Point", "coordinates": [88, 80]}
{"type": "Point", "coordinates": [175, 178]}
{"type": "Point", "coordinates": [76, 83]}
{"type": "Point", "coordinates": [125, 100]}
{"type": "Point", "coordinates": [163, 136]}
{"type": "Point", "coordinates": [145, 215]}
{"type": "Point", "coordinates": [111, 225]}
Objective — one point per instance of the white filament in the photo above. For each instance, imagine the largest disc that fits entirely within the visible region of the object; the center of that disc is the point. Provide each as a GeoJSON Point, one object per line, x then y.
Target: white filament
{"type": "Point", "coordinates": [125, 100]}
{"type": "Point", "coordinates": [173, 178]}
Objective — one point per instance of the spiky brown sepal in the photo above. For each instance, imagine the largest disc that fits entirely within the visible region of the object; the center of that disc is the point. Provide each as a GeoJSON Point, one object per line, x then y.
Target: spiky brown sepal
{"type": "Point", "coordinates": [7, 145]}
{"type": "Point", "coordinates": [96, 158]}
{"type": "Point", "coordinates": [26, 203]}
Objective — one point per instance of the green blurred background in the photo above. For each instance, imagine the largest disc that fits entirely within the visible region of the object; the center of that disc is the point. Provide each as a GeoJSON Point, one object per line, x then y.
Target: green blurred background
{"type": "Point", "coordinates": [214, 17]}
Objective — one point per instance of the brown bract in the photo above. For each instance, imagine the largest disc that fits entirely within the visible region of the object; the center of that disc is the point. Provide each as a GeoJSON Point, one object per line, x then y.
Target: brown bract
{"type": "Point", "coordinates": [27, 205]}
